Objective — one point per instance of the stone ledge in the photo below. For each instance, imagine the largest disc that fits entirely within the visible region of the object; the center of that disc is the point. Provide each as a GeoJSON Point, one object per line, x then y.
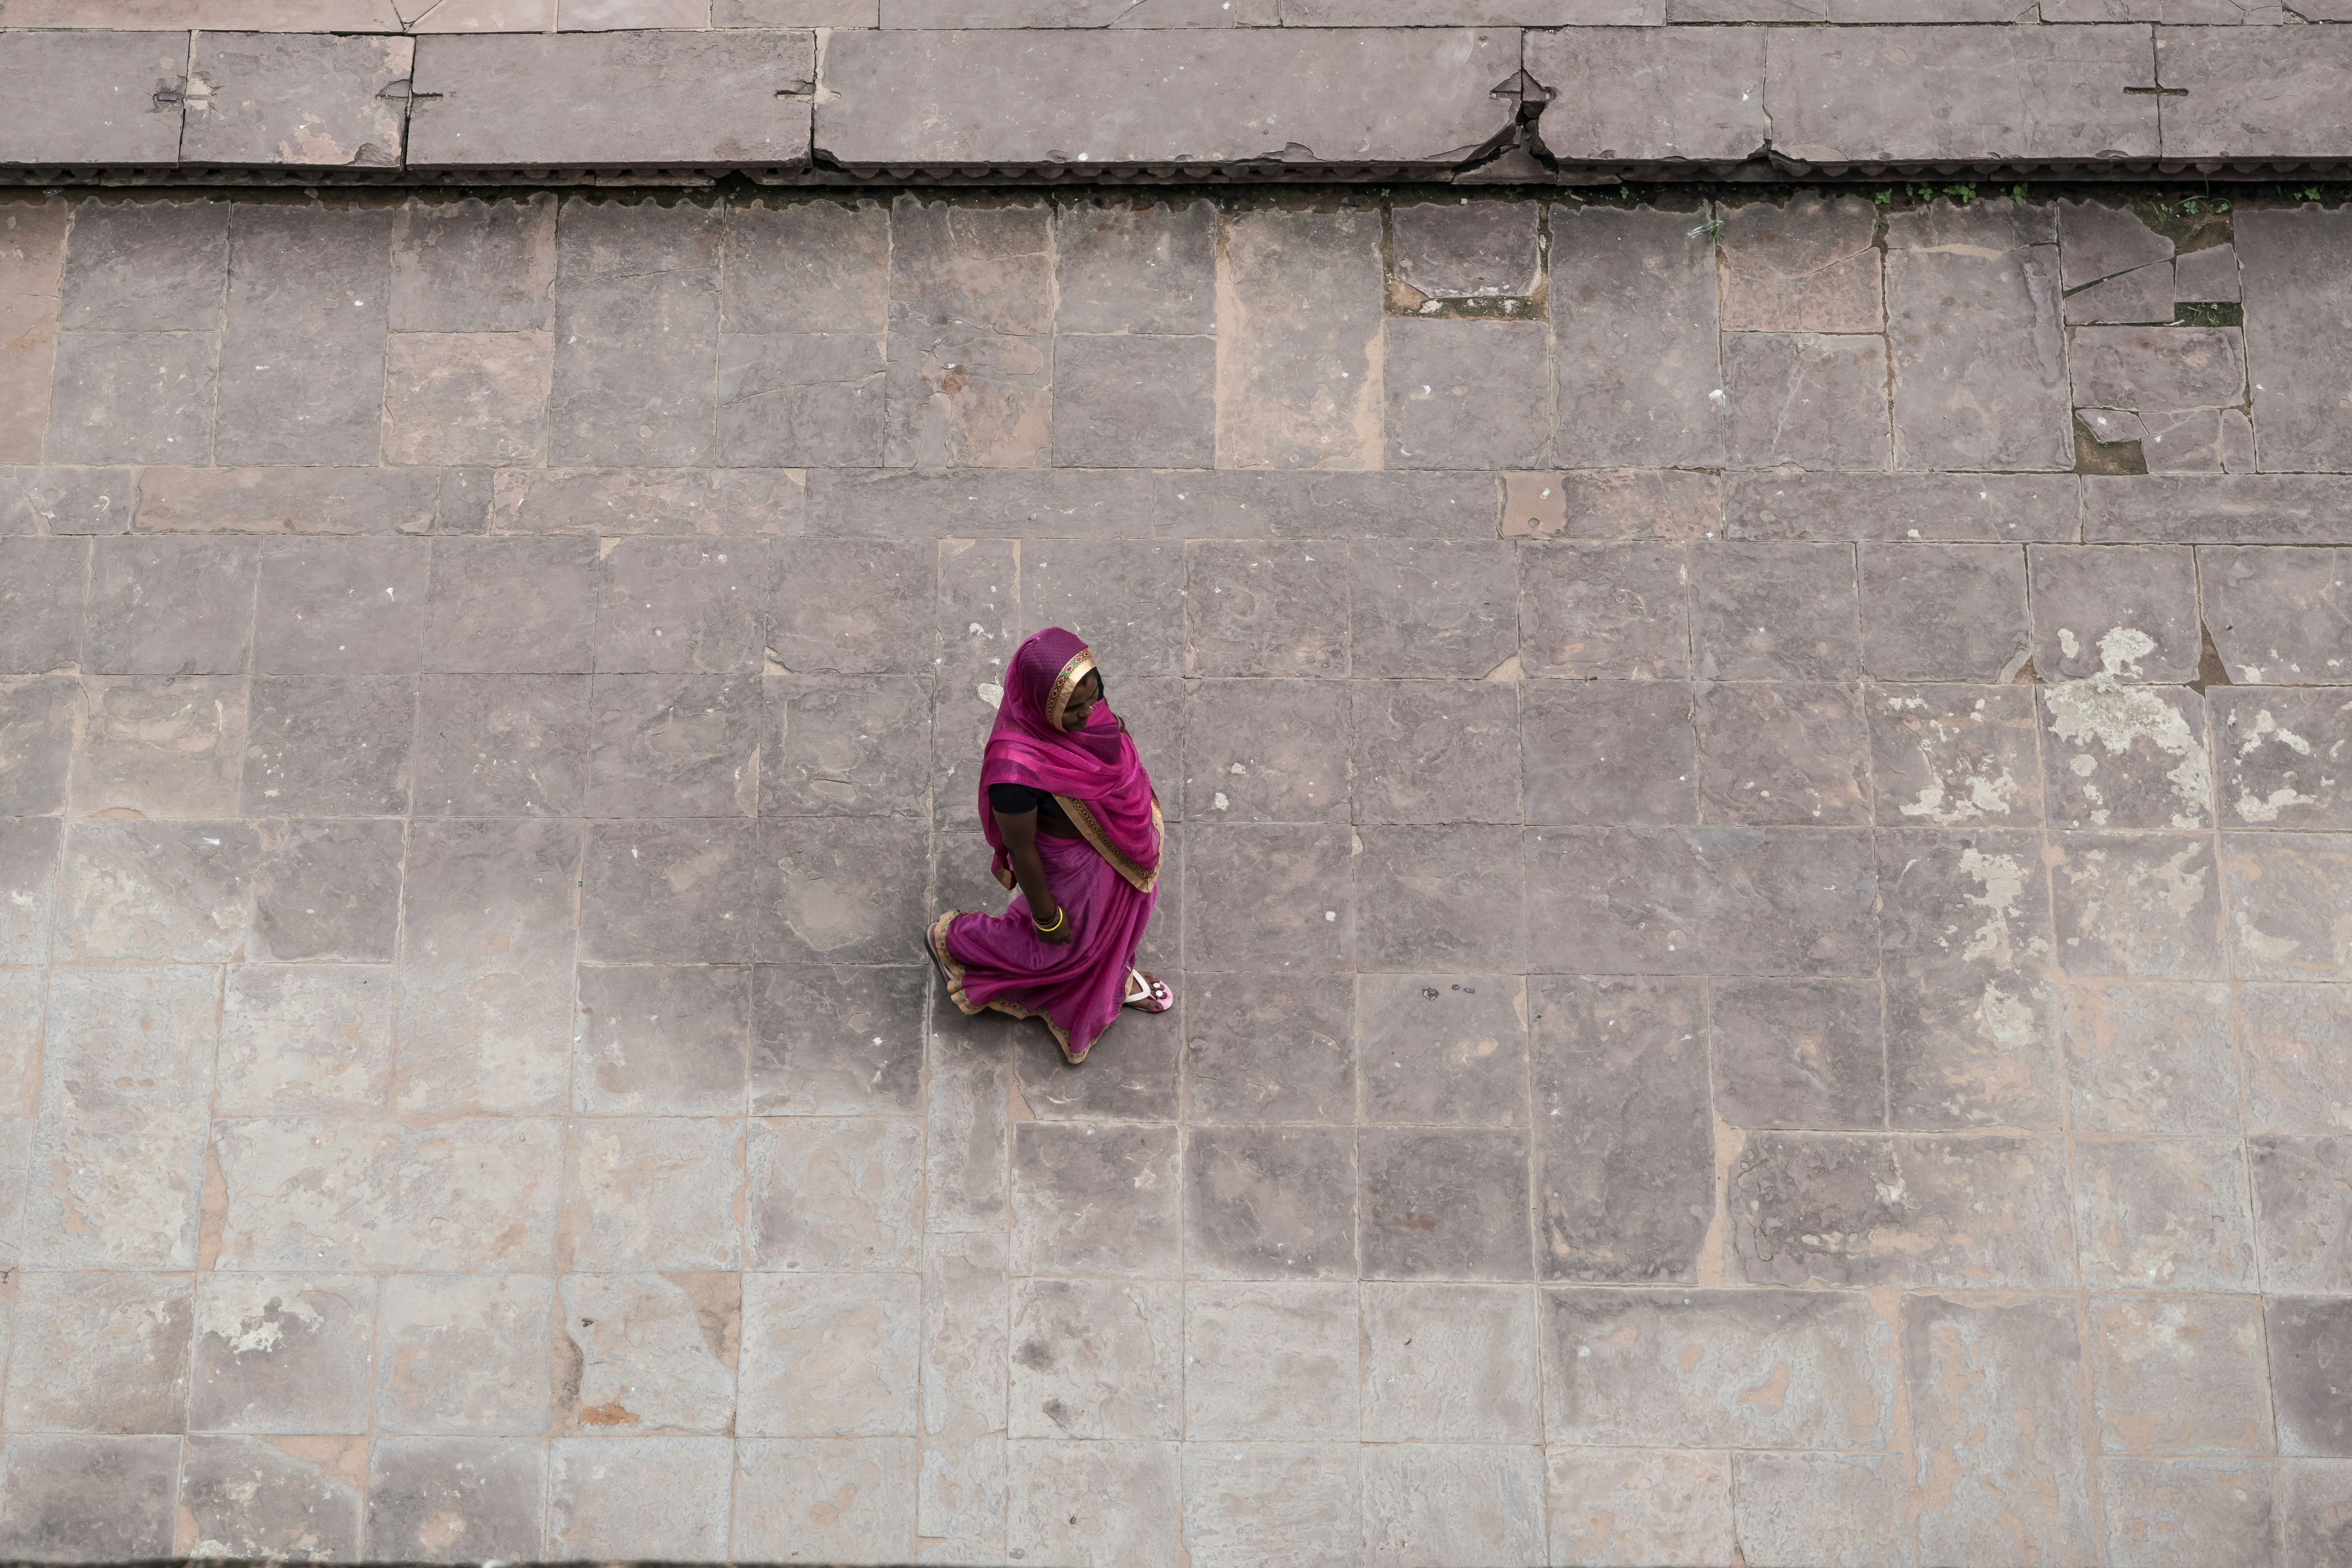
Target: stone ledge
{"type": "Point", "coordinates": [1576, 105]}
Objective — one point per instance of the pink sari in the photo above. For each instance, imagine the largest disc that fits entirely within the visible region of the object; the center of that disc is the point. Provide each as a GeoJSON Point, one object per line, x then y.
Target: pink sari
{"type": "Point", "coordinates": [1106, 880]}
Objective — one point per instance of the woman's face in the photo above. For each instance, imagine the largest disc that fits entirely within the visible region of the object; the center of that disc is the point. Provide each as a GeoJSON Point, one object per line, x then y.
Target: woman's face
{"type": "Point", "coordinates": [1081, 706]}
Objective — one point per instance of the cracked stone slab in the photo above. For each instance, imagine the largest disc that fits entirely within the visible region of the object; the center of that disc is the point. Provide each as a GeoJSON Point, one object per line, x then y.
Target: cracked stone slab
{"type": "Point", "coordinates": [2255, 93]}
{"type": "Point", "coordinates": [91, 98]}
{"type": "Point", "coordinates": [1640, 95]}
{"type": "Point", "coordinates": [319, 101]}
{"type": "Point", "coordinates": [1414, 97]}
{"type": "Point", "coordinates": [570, 99]}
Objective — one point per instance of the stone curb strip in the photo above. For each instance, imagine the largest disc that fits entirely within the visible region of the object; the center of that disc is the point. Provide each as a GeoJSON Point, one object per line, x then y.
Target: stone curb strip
{"type": "Point", "coordinates": [1482, 105]}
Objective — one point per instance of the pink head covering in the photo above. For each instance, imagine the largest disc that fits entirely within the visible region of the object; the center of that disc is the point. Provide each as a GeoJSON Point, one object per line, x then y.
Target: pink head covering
{"type": "Point", "coordinates": [1094, 769]}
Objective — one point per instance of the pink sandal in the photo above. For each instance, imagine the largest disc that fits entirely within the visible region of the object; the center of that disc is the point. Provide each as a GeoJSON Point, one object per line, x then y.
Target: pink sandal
{"type": "Point", "coordinates": [1154, 998]}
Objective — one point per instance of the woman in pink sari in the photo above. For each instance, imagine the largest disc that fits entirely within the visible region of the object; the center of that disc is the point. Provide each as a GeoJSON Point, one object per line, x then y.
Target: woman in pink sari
{"type": "Point", "coordinates": [1071, 815]}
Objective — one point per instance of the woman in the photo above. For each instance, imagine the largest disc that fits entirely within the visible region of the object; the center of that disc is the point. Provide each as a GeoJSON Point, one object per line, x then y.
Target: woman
{"type": "Point", "coordinates": [1071, 815]}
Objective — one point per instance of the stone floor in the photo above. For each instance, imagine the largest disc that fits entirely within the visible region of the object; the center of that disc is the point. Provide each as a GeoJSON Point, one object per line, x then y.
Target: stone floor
{"type": "Point", "coordinates": [1761, 882]}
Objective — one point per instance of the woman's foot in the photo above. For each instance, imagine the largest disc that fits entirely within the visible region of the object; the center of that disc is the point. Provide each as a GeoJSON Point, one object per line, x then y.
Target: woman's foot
{"type": "Point", "coordinates": [1145, 994]}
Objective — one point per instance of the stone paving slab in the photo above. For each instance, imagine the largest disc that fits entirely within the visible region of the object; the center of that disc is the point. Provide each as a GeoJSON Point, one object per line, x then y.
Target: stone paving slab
{"type": "Point", "coordinates": [1750, 969]}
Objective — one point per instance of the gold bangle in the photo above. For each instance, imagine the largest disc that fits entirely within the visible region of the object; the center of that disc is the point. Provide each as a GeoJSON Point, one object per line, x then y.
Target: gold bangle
{"type": "Point", "coordinates": [1060, 915]}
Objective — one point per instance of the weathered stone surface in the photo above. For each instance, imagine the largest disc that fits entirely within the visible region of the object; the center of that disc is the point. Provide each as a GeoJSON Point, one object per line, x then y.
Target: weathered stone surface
{"type": "Point", "coordinates": [2310, 1338]}
{"type": "Point", "coordinates": [170, 606]}
{"type": "Point", "coordinates": [1449, 1362]}
{"type": "Point", "coordinates": [1636, 1367]}
{"type": "Point", "coordinates": [1976, 93]}
{"type": "Point", "coordinates": [89, 98]}
{"type": "Point", "coordinates": [835, 1194]}
{"type": "Point", "coordinates": [2301, 1187]}
{"type": "Point", "coordinates": [1135, 401]}
{"type": "Point", "coordinates": [1266, 751]}
{"type": "Point", "coordinates": [1419, 611]}
{"type": "Point", "coordinates": [427, 1494]}
{"type": "Point", "coordinates": [1774, 611]}
{"type": "Point", "coordinates": [464, 1353]}
{"type": "Point", "coordinates": [66, 500]}
{"type": "Point", "coordinates": [1978, 362]}
{"type": "Point", "coordinates": [1133, 267]}
{"type": "Point", "coordinates": [467, 397]}
{"type": "Point", "coordinates": [1805, 400]}
{"type": "Point", "coordinates": [2123, 755]}
{"type": "Point", "coordinates": [2100, 240]}
{"type": "Point", "coordinates": [1805, 1508]}
{"type": "Point", "coordinates": [308, 100]}
{"type": "Point", "coordinates": [161, 746]}
{"type": "Point", "coordinates": [1096, 1359]}
{"type": "Point", "coordinates": [2268, 613]}
{"type": "Point", "coordinates": [824, 1501]}
{"type": "Point", "coordinates": [2150, 1058]}
{"type": "Point", "coordinates": [472, 266]}
{"type": "Point", "coordinates": [2158, 369]}
{"type": "Point", "coordinates": [1998, 1388]}
{"type": "Point", "coordinates": [1444, 1203]}
{"type": "Point", "coordinates": [1299, 378]}
{"type": "Point", "coordinates": [334, 607]}
{"type": "Point", "coordinates": [828, 1355]}
{"type": "Point", "coordinates": [2180, 1375]}
{"type": "Point", "coordinates": [327, 890]}
{"type": "Point", "coordinates": [654, 1193]}
{"type": "Point", "coordinates": [636, 324]}
{"type": "Point", "coordinates": [87, 1497]}
{"type": "Point", "coordinates": [1610, 610]}
{"type": "Point", "coordinates": [1466, 394]}
{"type": "Point", "coordinates": [2206, 1511]}
{"type": "Point", "coordinates": [970, 363]}
{"type": "Point", "coordinates": [1636, 355]}
{"type": "Point", "coordinates": [1671, 504]}
{"type": "Point", "coordinates": [1783, 752]}
{"type": "Point", "coordinates": [43, 586]}
{"type": "Point", "coordinates": [38, 716]}
{"type": "Point", "coordinates": [674, 746]}
{"type": "Point", "coordinates": [2143, 295]}
{"type": "Point", "coordinates": [2299, 1058]}
{"type": "Point", "coordinates": [1174, 97]}
{"type": "Point", "coordinates": [302, 349]}
{"type": "Point", "coordinates": [1799, 1054]}
{"type": "Point", "coordinates": [1963, 508]}
{"type": "Point", "coordinates": [28, 868]}
{"type": "Point", "coordinates": [1807, 265]}
{"type": "Point", "coordinates": [155, 267]}
{"type": "Point", "coordinates": [2294, 320]}
{"type": "Point", "coordinates": [2240, 508]}
{"type": "Point", "coordinates": [99, 1353]}
{"type": "Point", "coordinates": [2208, 275]}
{"type": "Point", "coordinates": [656, 891]}
{"type": "Point", "coordinates": [1456, 1505]}
{"type": "Point", "coordinates": [1621, 1505]}
{"type": "Point", "coordinates": [287, 500]}
{"type": "Point", "coordinates": [1953, 755]}
{"type": "Point", "coordinates": [260, 1496]}
{"type": "Point", "coordinates": [2126, 613]}
{"type": "Point", "coordinates": [158, 892]}
{"type": "Point", "coordinates": [1439, 897]}
{"type": "Point", "coordinates": [1245, 1502]}
{"type": "Point", "coordinates": [1102, 1201]}
{"type": "Point", "coordinates": [1104, 1501]}
{"type": "Point", "coordinates": [1428, 751]}
{"type": "Point", "coordinates": [1981, 1212]}
{"type": "Point", "coordinates": [132, 397]}
{"type": "Point", "coordinates": [729, 502]}
{"type": "Point", "coordinates": [1237, 1026]}
{"type": "Point", "coordinates": [2135, 905]}
{"type": "Point", "coordinates": [1271, 1361]}
{"type": "Point", "coordinates": [501, 744]}
{"type": "Point", "coordinates": [2285, 916]}
{"type": "Point", "coordinates": [2170, 1214]}
{"type": "Point", "coordinates": [1439, 1050]}
{"type": "Point", "coordinates": [2291, 115]}
{"type": "Point", "coordinates": [640, 1354]}
{"type": "Point", "coordinates": [1270, 1203]}
{"type": "Point", "coordinates": [305, 1037]}
{"type": "Point", "coordinates": [1466, 251]}
{"type": "Point", "coordinates": [1609, 752]}
{"type": "Point", "coordinates": [570, 99]}
{"type": "Point", "coordinates": [648, 1497]}
{"type": "Point", "coordinates": [1632, 94]}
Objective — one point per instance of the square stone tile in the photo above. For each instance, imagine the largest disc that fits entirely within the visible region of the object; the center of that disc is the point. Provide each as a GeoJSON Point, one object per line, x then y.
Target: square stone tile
{"type": "Point", "coordinates": [1444, 1203]}
{"type": "Point", "coordinates": [1269, 1048]}
{"type": "Point", "coordinates": [2163, 1214]}
{"type": "Point", "coordinates": [488, 937]}
{"type": "Point", "coordinates": [837, 1042]}
{"type": "Point", "coordinates": [653, 1192]}
{"type": "Point", "coordinates": [1966, 1364]}
{"type": "Point", "coordinates": [456, 1499]}
{"type": "Point", "coordinates": [1304, 290]}
{"type": "Point", "coordinates": [2126, 611]}
{"type": "Point", "coordinates": [1637, 1367]}
{"type": "Point", "coordinates": [2136, 905]}
{"type": "Point", "coordinates": [171, 606]}
{"type": "Point", "coordinates": [132, 397]}
{"type": "Point", "coordinates": [43, 585]}
{"type": "Point", "coordinates": [1267, 609]}
{"type": "Point", "coordinates": [1775, 612]}
{"type": "Point", "coordinates": [1799, 1054]}
{"type": "Point", "coordinates": [2297, 1041]}
{"type": "Point", "coordinates": [1124, 401]}
{"type": "Point", "coordinates": [1130, 266]}
{"type": "Point", "coordinates": [1980, 1212]}
{"type": "Point", "coordinates": [1821, 1508]}
{"type": "Point", "coordinates": [1605, 610]}
{"type": "Point", "coordinates": [173, 893]}
{"type": "Point", "coordinates": [1466, 394]}
{"type": "Point", "coordinates": [2307, 1337]}
{"type": "Point", "coordinates": [1440, 897]}
{"type": "Point", "coordinates": [473, 265]}
{"type": "Point", "coordinates": [502, 745]}
{"type": "Point", "coordinates": [159, 746]}
{"type": "Point", "coordinates": [1095, 1502]}
{"type": "Point", "coordinates": [1282, 897]}
{"type": "Point", "coordinates": [843, 746]}
{"type": "Point", "coordinates": [2150, 1058]}
{"type": "Point", "coordinates": [2286, 893]}
{"type": "Point", "coordinates": [643, 1354]}
{"type": "Point", "coordinates": [1611, 1507]}
{"type": "Point", "coordinates": [1972, 316]}
{"type": "Point", "coordinates": [682, 605]}
{"type": "Point", "coordinates": [146, 266]}
{"type": "Point", "coordinates": [1783, 752]}
{"type": "Point", "coordinates": [1454, 1506]}
{"type": "Point", "coordinates": [467, 398]}
{"type": "Point", "coordinates": [853, 607]}
{"type": "Point", "coordinates": [306, 300]}
{"type": "Point", "coordinates": [662, 1039]}
{"type": "Point", "coordinates": [801, 400]}
{"type": "Point", "coordinates": [1096, 1359]}
{"type": "Point", "coordinates": [636, 333]}
{"type": "Point", "coordinates": [2315, 1510]}
{"type": "Point", "coordinates": [2267, 610]}
{"type": "Point", "coordinates": [263, 1498]}
{"type": "Point", "coordinates": [640, 1497]}
{"type": "Point", "coordinates": [666, 891]}
{"type": "Point", "coordinates": [463, 1352]}
{"type": "Point", "coordinates": [1441, 1049]}
{"type": "Point", "coordinates": [282, 1353]}
{"type": "Point", "coordinates": [1125, 597]}
{"type": "Point", "coordinates": [828, 1356]}
{"type": "Point", "coordinates": [2274, 751]}
{"type": "Point", "coordinates": [1807, 265]}
{"type": "Point", "coordinates": [521, 606]}
{"type": "Point", "coordinates": [88, 1498]}
{"type": "Point", "coordinates": [822, 1502]}
{"type": "Point", "coordinates": [1464, 249]}
{"type": "Point", "coordinates": [326, 746]}
{"type": "Point", "coordinates": [1450, 1364]}
{"type": "Point", "coordinates": [1095, 1200]}
{"type": "Point", "coordinates": [1944, 612]}
{"type": "Point", "coordinates": [99, 1353]}
{"type": "Point", "coordinates": [299, 1037]}
{"type": "Point", "coordinates": [1271, 1361]}
{"type": "Point", "coordinates": [1953, 757]}
{"type": "Point", "coordinates": [844, 891]}
{"type": "Point", "coordinates": [1245, 1502]}
{"type": "Point", "coordinates": [328, 890]}
{"type": "Point", "coordinates": [1432, 610]}
{"type": "Point", "coordinates": [835, 1194]}
{"type": "Point", "coordinates": [1270, 1203]}
{"type": "Point", "coordinates": [1806, 399]}
{"type": "Point", "coordinates": [2181, 1375]}
{"type": "Point", "coordinates": [2302, 1192]}
{"type": "Point", "coordinates": [674, 746]}
{"type": "Point", "coordinates": [1266, 751]}
{"type": "Point", "coordinates": [2189, 1511]}
{"type": "Point", "coordinates": [39, 717]}
{"type": "Point", "coordinates": [1609, 752]}
{"type": "Point", "coordinates": [2120, 755]}
{"type": "Point", "coordinates": [1635, 338]}
{"type": "Point", "coordinates": [1433, 751]}
{"type": "Point", "coordinates": [806, 266]}
{"type": "Point", "coordinates": [1130, 1077]}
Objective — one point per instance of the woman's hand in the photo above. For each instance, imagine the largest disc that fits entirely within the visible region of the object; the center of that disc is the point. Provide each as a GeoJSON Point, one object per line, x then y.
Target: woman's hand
{"type": "Point", "coordinates": [1061, 936]}
{"type": "Point", "coordinates": [1029, 871]}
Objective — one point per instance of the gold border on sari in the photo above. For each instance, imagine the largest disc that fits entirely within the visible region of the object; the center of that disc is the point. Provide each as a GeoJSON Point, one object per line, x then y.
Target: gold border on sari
{"type": "Point", "coordinates": [969, 1009]}
{"type": "Point", "coordinates": [1081, 665]}
{"type": "Point", "coordinates": [1081, 818]}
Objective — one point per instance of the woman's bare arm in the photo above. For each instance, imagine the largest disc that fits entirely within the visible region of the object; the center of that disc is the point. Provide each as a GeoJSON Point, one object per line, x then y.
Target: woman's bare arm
{"type": "Point", "coordinates": [1019, 831]}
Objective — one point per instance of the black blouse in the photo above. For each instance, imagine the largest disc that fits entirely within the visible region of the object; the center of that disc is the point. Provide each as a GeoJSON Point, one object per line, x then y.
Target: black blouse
{"type": "Point", "coordinates": [1015, 799]}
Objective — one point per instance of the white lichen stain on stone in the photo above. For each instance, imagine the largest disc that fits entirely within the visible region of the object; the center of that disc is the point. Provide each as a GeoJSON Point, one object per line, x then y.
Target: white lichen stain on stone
{"type": "Point", "coordinates": [236, 1308]}
{"type": "Point", "coordinates": [2116, 714]}
{"type": "Point", "coordinates": [2122, 648]}
{"type": "Point", "coordinates": [2002, 881]}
